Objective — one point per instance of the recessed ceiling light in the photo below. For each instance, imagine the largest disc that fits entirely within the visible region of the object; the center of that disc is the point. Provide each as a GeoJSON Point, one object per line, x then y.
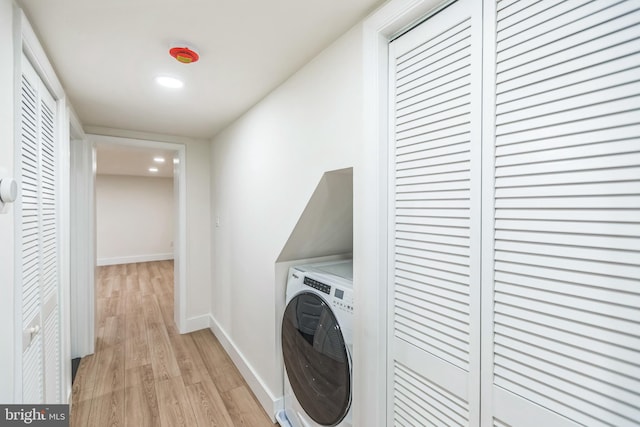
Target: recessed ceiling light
{"type": "Point", "coordinates": [176, 161]}
{"type": "Point", "coordinates": [170, 82]}
{"type": "Point", "coordinates": [158, 159]}
{"type": "Point", "coordinates": [153, 170]}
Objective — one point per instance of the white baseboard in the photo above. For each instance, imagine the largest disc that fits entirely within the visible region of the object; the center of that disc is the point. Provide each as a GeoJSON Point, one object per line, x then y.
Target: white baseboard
{"type": "Point", "coordinates": [134, 258]}
{"type": "Point", "coordinates": [196, 323]}
{"type": "Point", "coordinates": [270, 404]}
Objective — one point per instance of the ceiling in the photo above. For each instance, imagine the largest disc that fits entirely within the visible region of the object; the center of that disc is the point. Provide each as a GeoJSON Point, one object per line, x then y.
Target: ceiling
{"type": "Point", "coordinates": [115, 159]}
{"type": "Point", "coordinates": [107, 54]}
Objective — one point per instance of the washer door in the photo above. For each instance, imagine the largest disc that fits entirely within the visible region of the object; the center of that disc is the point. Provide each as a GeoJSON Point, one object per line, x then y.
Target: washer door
{"type": "Point", "coordinates": [316, 359]}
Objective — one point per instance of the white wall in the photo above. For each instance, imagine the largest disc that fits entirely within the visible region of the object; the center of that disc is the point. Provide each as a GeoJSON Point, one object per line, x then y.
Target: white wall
{"type": "Point", "coordinates": [6, 219]}
{"type": "Point", "coordinates": [198, 235]}
{"type": "Point", "coordinates": [265, 168]}
{"type": "Point", "coordinates": [134, 218]}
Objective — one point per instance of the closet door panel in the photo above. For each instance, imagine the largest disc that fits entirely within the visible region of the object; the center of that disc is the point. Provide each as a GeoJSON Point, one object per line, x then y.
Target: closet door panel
{"type": "Point", "coordinates": [38, 240]}
{"type": "Point", "coordinates": [566, 216]}
{"type": "Point", "coordinates": [434, 200]}
{"type": "Point", "coordinates": [49, 248]}
{"type": "Point", "coordinates": [30, 236]}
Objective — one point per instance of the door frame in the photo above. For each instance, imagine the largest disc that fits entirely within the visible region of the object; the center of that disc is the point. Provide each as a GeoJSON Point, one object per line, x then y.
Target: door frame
{"type": "Point", "coordinates": [180, 228]}
{"type": "Point", "coordinates": [83, 240]}
{"type": "Point", "coordinates": [390, 21]}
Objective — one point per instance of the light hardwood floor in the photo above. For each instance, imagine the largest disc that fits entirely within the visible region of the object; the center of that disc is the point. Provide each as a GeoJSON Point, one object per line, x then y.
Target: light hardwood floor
{"type": "Point", "coordinates": [144, 373]}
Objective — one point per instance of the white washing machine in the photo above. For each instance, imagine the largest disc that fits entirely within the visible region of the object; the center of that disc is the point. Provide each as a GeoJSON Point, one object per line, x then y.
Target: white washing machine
{"type": "Point", "coordinates": [317, 343]}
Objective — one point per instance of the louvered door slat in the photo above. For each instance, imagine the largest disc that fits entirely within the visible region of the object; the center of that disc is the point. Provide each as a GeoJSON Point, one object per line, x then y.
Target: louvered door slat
{"type": "Point", "coordinates": [31, 302]}
{"type": "Point", "coordinates": [429, 102]}
{"type": "Point", "coordinates": [433, 160]}
{"type": "Point", "coordinates": [48, 185]}
{"type": "Point", "coordinates": [535, 74]}
{"type": "Point", "coordinates": [569, 250]}
{"type": "Point", "coordinates": [571, 49]}
{"type": "Point", "coordinates": [534, 112]}
{"type": "Point", "coordinates": [566, 229]}
{"type": "Point", "coordinates": [568, 20]}
{"type": "Point", "coordinates": [52, 356]}
{"type": "Point", "coordinates": [420, 396]}
{"type": "Point", "coordinates": [429, 51]}
{"type": "Point", "coordinates": [564, 347]}
{"type": "Point", "coordinates": [441, 283]}
{"type": "Point", "coordinates": [433, 296]}
{"type": "Point", "coordinates": [602, 379]}
{"type": "Point", "coordinates": [521, 10]}
{"type": "Point", "coordinates": [33, 372]}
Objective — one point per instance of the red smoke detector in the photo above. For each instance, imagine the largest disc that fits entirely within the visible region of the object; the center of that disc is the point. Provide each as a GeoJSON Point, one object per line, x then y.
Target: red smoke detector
{"type": "Point", "coordinates": [184, 54]}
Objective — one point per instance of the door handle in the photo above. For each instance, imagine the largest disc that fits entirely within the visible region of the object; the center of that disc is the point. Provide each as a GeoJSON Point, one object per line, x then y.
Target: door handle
{"type": "Point", "coordinates": [34, 331]}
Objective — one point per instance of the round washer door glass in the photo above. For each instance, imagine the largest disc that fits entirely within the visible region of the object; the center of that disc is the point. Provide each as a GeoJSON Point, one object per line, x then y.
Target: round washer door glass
{"type": "Point", "coordinates": [316, 359]}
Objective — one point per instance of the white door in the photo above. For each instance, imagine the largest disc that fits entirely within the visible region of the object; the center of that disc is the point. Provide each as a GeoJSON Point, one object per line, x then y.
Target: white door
{"type": "Point", "coordinates": [434, 283]}
{"type": "Point", "coordinates": [563, 236]}
{"type": "Point", "coordinates": [38, 240]}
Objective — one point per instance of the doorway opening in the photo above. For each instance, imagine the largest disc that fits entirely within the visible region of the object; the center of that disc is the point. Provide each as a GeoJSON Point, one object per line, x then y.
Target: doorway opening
{"type": "Point", "coordinates": [138, 231]}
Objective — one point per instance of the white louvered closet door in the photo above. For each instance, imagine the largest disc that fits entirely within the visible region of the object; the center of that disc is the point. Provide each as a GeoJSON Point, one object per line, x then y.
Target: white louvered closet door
{"type": "Point", "coordinates": [565, 333]}
{"type": "Point", "coordinates": [39, 242]}
{"type": "Point", "coordinates": [434, 283]}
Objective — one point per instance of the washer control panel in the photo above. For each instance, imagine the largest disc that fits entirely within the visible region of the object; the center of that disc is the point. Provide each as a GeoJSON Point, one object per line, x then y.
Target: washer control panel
{"type": "Point", "coordinates": [317, 285]}
{"type": "Point", "coordinates": [338, 295]}
{"type": "Point", "coordinates": [342, 299]}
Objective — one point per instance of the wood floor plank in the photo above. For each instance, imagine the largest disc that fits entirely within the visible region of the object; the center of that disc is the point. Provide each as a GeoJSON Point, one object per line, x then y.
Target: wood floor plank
{"type": "Point", "coordinates": [117, 284]}
{"type": "Point", "coordinates": [208, 406]}
{"type": "Point", "coordinates": [219, 366]}
{"type": "Point", "coordinates": [143, 270]}
{"type": "Point", "coordinates": [109, 307]}
{"type": "Point", "coordinates": [154, 270]}
{"type": "Point", "coordinates": [151, 309]}
{"type": "Point", "coordinates": [189, 360]}
{"type": "Point", "coordinates": [244, 408]}
{"type": "Point", "coordinates": [109, 370]}
{"type": "Point", "coordinates": [173, 404]}
{"type": "Point", "coordinates": [80, 411]}
{"type": "Point", "coordinates": [139, 375]}
{"type": "Point", "coordinates": [131, 283]}
{"type": "Point", "coordinates": [136, 343]}
{"type": "Point", "coordinates": [141, 406]}
{"type": "Point", "coordinates": [120, 269]}
{"type": "Point", "coordinates": [107, 410]}
{"type": "Point", "coordinates": [101, 308]}
{"type": "Point", "coordinates": [144, 282]}
{"type": "Point", "coordinates": [85, 380]}
{"type": "Point", "coordinates": [131, 269]}
{"type": "Point", "coordinates": [161, 353]}
{"type": "Point", "coordinates": [111, 333]}
{"type": "Point", "coordinates": [166, 309]}
{"type": "Point", "coordinates": [104, 288]}
{"type": "Point", "coordinates": [133, 303]}
{"type": "Point", "coordinates": [158, 286]}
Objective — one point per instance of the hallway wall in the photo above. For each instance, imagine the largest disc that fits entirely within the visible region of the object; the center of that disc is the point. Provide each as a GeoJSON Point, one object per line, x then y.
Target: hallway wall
{"type": "Point", "coordinates": [134, 219]}
{"type": "Point", "coordinates": [265, 168]}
